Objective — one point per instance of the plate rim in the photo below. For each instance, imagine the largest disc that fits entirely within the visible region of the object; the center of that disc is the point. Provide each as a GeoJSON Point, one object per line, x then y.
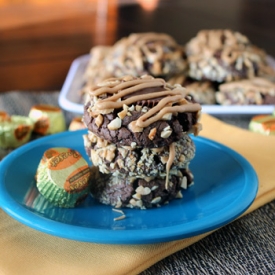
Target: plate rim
{"type": "Point", "coordinates": [40, 223]}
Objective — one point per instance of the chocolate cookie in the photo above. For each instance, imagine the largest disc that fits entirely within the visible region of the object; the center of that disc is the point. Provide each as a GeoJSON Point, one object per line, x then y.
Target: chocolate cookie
{"type": "Point", "coordinates": [202, 91]}
{"type": "Point", "coordinates": [138, 162]}
{"type": "Point", "coordinates": [96, 70]}
{"type": "Point", "coordinates": [143, 111]}
{"type": "Point", "coordinates": [138, 193]}
{"type": "Point", "coordinates": [157, 54]}
{"type": "Point", "coordinates": [255, 91]}
{"type": "Point", "coordinates": [223, 55]}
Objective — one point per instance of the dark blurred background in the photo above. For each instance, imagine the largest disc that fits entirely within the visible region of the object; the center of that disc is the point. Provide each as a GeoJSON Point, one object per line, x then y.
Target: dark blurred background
{"type": "Point", "coordinates": [39, 39]}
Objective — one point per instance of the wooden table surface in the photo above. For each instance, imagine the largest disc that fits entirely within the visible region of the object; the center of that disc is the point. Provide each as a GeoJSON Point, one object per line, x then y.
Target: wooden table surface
{"type": "Point", "coordinates": [39, 41]}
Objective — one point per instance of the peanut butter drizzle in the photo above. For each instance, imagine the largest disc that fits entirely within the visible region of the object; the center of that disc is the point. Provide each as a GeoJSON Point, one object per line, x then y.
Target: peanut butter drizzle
{"type": "Point", "coordinates": [172, 154]}
{"type": "Point", "coordinates": [121, 87]}
{"type": "Point", "coordinates": [138, 46]}
{"type": "Point", "coordinates": [171, 95]}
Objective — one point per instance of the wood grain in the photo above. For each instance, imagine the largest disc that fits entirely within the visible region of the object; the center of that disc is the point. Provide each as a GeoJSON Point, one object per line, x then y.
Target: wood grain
{"type": "Point", "coordinates": [38, 42]}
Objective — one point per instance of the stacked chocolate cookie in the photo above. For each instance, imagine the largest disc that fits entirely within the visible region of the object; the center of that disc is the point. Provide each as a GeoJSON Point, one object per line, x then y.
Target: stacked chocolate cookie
{"type": "Point", "coordinates": [138, 137]}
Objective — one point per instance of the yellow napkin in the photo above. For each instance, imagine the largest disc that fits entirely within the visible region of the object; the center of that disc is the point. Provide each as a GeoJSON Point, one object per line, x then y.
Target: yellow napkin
{"type": "Point", "coordinates": [27, 251]}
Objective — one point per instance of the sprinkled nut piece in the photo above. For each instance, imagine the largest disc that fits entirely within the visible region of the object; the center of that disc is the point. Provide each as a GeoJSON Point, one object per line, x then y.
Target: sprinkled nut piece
{"type": "Point", "coordinates": [166, 132]}
{"type": "Point", "coordinates": [143, 190]}
{"type": "Point", "coordinates": [123, 216]}
{"type": "Point", "coordinates": [122, 114]}
{"type": "Point", "coordinates": [99, 120]}
{"type": "Point", "coordinates": [156, 200]}
{"type": "Point", "coordinates": [114, 124]}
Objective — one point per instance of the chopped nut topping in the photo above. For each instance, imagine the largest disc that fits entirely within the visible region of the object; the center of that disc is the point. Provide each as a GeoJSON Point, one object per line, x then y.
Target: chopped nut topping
{"type": "Point", "coordinates": [143, 190]}
{"type": "Point", "coordinates": [119, 204]}
{"type": "Point", "coordinates": [139, 203]}
{"type": "Point", "coordinates": [99, 120]}
{"type": "Point", "coordinates": [166, 132]}
{"type": "Point", "coordinates": [144, 109]}
{"type": "Point", "coordinates": [122, 114]}
{"type": "Point", "coordinates": [137, 196]}
{"type": "Point", "coordinates": [156, 200]}
{"type": "Point", "coordinates": [114, 124]}
{"type": "Point", "coordinates": [133, 202]}
{"type": "Point", "coordinates": [125, 107]}
{"type": "Point", "coordinates": [184, 183]}
{"type": "Point", "coordinates": [182, 158]}
{"type": "Point", "coordinates": [123, 152]}
{"type": "Point", "coordinates": [94, 157]}
{"type": "Point", "coordinates": [138, 108]}
{"type": "Point", "coordinates": [167, 116]}
{"type": "Point", "coordinates": [133, 144]}
{"type": "Point", "coordinates": [110, 155]}
{"type": "Point", "coordinates": [102, 143]}
{"type": "Point", "coordinates": [132, 108]}
{"type": "Point", "coordinates": [120, 163]}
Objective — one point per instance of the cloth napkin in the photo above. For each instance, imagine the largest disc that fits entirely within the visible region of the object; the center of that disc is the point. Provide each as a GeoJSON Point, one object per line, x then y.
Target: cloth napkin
{"type": "Point", "coordinates": [28, 251]}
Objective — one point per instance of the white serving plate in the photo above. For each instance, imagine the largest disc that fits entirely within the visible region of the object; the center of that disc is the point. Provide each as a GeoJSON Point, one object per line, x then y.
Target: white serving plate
{"type": "Point", "coordinates": [70, 98]}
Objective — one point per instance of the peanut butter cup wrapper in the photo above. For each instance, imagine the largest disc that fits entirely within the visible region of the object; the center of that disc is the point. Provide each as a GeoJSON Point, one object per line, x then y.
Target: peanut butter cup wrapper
{"type": "Point", "coordinates": [4, 116]}
{"type": "Point", "coordinates": [15, 131]}
{"type": "Point", "coordinates": [76, 124]}
{"type": "Point", "coordinates": [47, 119]}
{"type": "Point", "coordinates": [63, 177]}
{"type": "Point", "coordinates": [263, 124]}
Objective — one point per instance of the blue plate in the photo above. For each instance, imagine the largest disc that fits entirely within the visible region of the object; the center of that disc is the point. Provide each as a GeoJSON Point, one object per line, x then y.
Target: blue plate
{"type": "Point", "coordinates": [225, 186]}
